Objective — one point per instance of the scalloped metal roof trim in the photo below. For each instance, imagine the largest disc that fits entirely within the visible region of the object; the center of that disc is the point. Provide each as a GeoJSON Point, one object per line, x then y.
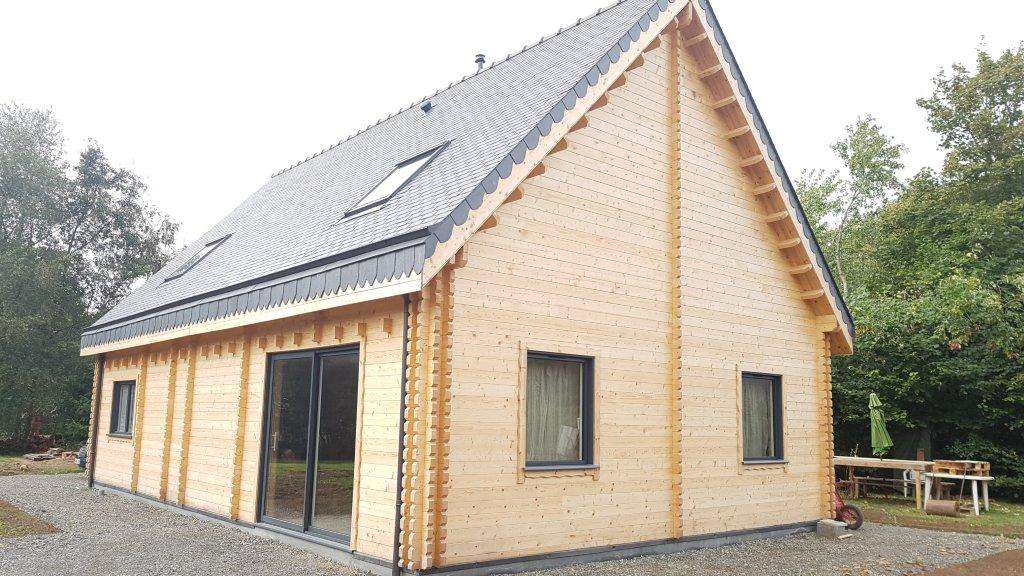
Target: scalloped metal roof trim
{"type": "Point", "coordinates": [442, 231]}
{"type": "Point", "coordinates": [320, 282]}
{"type": "Point", "coordinates": [773, 157]}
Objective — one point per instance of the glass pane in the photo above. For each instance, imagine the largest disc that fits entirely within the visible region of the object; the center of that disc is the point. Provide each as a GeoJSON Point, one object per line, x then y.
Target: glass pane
{"type": "Point", "coordinates": [393, 181]}
{"type": "Point", "coordinates": [758, 424]}
{"type": "Point", "coordinates": [336, 443]}
{"type": "Point", "coordinates": [287, 440]}
{"type": "Point", "coordinates": [554, 395]}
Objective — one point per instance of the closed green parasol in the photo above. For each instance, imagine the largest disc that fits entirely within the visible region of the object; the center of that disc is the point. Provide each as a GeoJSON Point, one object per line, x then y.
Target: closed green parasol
{"type": "Point", "coordinates": [880, 440]}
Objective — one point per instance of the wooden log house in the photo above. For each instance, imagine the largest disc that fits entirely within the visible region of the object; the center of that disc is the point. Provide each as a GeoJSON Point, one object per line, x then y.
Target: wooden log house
{"type": "Point", "coordinates": [567, 308]}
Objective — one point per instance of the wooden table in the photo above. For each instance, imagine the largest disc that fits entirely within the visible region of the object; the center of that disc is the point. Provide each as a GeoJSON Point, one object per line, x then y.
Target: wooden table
{"type": "Point", "coordinates": [928, 476]}
{"type": "Point", "coordinates": [918, 466]}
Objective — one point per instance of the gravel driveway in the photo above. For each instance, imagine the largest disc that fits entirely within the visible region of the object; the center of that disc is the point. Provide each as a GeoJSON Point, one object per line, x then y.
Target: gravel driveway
{"type": "Point", "coordinates": [115, 536]}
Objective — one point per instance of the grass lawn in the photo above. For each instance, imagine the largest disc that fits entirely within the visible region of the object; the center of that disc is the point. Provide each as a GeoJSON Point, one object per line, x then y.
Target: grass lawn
{"type": "Point", "coordinates": [14, 522]}
{"type": "Point", "coordinates": [12, 465]}
{"type": "Point", "coordinates": [1002, 519]}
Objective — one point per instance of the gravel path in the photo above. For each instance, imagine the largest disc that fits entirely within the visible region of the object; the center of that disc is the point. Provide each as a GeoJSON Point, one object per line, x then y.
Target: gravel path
{"type": "Point", "coordinates": [112, 535]}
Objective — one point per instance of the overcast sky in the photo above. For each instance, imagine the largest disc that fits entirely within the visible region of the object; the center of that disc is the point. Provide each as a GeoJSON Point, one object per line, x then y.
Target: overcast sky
{"type": "Point", "coordinates": [205, 100]}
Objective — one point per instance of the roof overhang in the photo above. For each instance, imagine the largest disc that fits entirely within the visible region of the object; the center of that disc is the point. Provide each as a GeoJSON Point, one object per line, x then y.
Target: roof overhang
{"type": "Point", "coordinates": [382, 273]}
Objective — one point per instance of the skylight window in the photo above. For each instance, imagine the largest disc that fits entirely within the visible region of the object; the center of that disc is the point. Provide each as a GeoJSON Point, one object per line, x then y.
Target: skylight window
{"type": "Point", "coordinates": [395, 181]}
{"type": "Point", "coordinates": [197, 258]}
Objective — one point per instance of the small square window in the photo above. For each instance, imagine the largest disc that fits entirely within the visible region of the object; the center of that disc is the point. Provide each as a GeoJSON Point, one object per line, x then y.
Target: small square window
{"type": "Point", "coordinates": [762, 418]}
{"type": "Point", "coordinates": [122, 413]}
{"type": "Point", "coordinates": [559, 410]}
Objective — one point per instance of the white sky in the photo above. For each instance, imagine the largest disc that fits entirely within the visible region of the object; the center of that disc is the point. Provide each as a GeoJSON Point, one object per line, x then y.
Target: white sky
{"type": "Point", "coordinates": [206, 100]}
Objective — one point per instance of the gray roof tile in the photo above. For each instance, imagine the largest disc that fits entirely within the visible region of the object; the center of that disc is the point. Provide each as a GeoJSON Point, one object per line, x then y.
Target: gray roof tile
{"type": "Point", "coordinates": [489, 121]}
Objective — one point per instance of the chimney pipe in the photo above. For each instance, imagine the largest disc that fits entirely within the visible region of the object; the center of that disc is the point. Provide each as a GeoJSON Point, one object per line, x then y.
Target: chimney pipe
{"type": "Point", "coordinates": [480, 59]}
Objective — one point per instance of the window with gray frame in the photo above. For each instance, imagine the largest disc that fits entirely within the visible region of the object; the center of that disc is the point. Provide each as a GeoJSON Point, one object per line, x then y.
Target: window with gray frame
{"type": "Point", "coordinates": [762, 418]}
{"type": "Point", "coordinates": [559, 410]}
{"type": "Point", "coordinates": [122, 413]}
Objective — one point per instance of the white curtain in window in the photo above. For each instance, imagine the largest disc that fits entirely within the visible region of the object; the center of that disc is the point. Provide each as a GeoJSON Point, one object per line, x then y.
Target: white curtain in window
{"type": "Point", "coordinates": [553, 410]}
{"type": "Point", "coordinates": [758, 441]}
{"type": "Point", "coordinates": [124, 408]}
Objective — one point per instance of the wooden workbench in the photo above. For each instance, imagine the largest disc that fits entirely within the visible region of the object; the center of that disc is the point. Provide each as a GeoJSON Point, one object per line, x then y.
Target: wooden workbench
{"type": "Point", "coordinates": [919, 466]}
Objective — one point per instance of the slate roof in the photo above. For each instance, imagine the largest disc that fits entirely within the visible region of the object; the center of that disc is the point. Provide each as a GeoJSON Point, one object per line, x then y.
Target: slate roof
{"type": "Point", "coordinates": [289, 242]}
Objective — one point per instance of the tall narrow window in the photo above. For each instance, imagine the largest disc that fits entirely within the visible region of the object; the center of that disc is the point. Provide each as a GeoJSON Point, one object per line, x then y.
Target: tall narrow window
{"type": "Point", "coordinates": [399, 176]}
{"type": "Point", "coordinates": [559, 410]}
{"type": "Point", "coordinates": [762, 418]}
{"type": "Point", "coordinates": [122, 412]}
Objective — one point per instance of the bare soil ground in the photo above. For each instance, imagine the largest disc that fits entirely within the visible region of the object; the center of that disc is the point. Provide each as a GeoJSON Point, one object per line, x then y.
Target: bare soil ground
{"type": "Point", "coordinates": [1009, 563]}
{"type": "Point", "coordinates": [14, 465]}
{"type": "Point", "coordinates": [14, 522]}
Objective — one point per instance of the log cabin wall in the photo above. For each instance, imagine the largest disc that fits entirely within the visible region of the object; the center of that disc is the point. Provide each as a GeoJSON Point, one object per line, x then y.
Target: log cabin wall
{"type": "Point", "coordinates": [188, 448]}
{"type": "Point", "coordinates": [641, 245]}
{"type": "Point", "coordinates": [742, 311]}
{"type": "Point", "coordinates": [578, 265]}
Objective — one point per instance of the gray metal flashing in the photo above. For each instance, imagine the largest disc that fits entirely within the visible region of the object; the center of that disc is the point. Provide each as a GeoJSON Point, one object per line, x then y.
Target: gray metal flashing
{"type": "Point", "coordinates": [774, 159]}
{"type": "Point", "coordinates": [379, 266]}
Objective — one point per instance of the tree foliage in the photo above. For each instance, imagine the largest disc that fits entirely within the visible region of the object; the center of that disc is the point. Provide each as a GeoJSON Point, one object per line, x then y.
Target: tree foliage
{"type": "Point", "coordinates": [935, 270]}
{"type": "Point", "coordinates": [73, 239]}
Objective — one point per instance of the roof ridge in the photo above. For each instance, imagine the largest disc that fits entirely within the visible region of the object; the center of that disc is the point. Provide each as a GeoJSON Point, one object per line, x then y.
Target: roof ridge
{"type": "Point", "coordinates": [451, 85]}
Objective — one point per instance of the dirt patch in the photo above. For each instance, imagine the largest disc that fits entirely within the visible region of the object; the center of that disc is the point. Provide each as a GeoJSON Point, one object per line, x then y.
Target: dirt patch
{"type": "Point", "coordinates": [14, 465]}
{"type": "Point", "coordinates": [14, 522]}
{"type": "Point", "coordinates": [941, 524]}
{"type": "Point", "coordinates": [1002, 564]}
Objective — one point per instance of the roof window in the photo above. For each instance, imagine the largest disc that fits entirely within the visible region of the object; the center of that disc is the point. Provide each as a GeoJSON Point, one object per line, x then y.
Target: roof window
{"type": "Point", "coordinates": [197, 258]}
{"type": "Point", "coordinates": [401, 175]}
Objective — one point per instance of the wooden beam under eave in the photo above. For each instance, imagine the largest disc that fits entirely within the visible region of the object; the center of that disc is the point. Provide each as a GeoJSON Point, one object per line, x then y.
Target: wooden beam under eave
{"type": "Point", "coordinates": [789, 243]}
{"type": "Point", "coordinates": [619, 82]}
{"type": "Point", "coordinates": [601, 102]}
{"type": "Point", "coordinates": [489, 223]}
{"type": "Point", "coordinates": [538, 171]}
{"type": "Point", "coordinates": [777, 216]}
{"type": "Point", "coordinates": [812, 294]}
{"type": "Point", "coordinates": [709, 72]}
{"type": "Point", "coordinates": [764, 189]}
{"type": "Point", "coordinates": [719, 104]}
{"type": "Point", "coordinates": [515, 196]}
{"type": "Point", "coordinates": [695, 40]}
{"type": "Point", "coordinates": [654, 45]}
{"type": "Point", "coordinates": [687, 17]}
{"type": "Point", "coordinates": [636, 63]}
{"type": "Point", "coordinates": [827, 323]}
{"type": "Point", "coordinates": [801, 269]}
{"type": "Point", "coordinates": [460, 260]}
{"type": "Point", "coordinates": [737, 132]}
{"type": "Point", "coordinates": [748, 162]}
{"type": "Point", "coordinates": [583, 123]}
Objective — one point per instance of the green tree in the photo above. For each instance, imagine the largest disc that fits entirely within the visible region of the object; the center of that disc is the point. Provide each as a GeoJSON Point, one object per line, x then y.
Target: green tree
{"type": "Point", "coordinates": [938, 293]}
{"type": "Point", "coordinates": [73, 239]}
{"type": "Point", "coordinates": [979, 119]}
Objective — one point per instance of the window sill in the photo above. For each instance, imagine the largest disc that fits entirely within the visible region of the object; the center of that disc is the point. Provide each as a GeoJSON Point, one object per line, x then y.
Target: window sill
{"type": "Point", "coordinates": [560, 471]}
{"type": "Point", "coordinates": [119, 436]}
{"type": "Point", "coordinates": [558, 467]}
{"type": "Point", "coordinates": [765, 462]}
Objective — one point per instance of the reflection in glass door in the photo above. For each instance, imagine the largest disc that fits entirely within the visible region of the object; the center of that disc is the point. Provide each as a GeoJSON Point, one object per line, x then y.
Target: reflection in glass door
{"type": "Point", "coordinates": [336, 444]}
{"type": "Point", "coordinates": [310, 437]}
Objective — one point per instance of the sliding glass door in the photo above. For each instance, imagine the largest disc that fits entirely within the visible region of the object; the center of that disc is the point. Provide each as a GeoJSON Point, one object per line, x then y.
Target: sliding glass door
{"type": "Point", "coordinates": [309, 441]}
